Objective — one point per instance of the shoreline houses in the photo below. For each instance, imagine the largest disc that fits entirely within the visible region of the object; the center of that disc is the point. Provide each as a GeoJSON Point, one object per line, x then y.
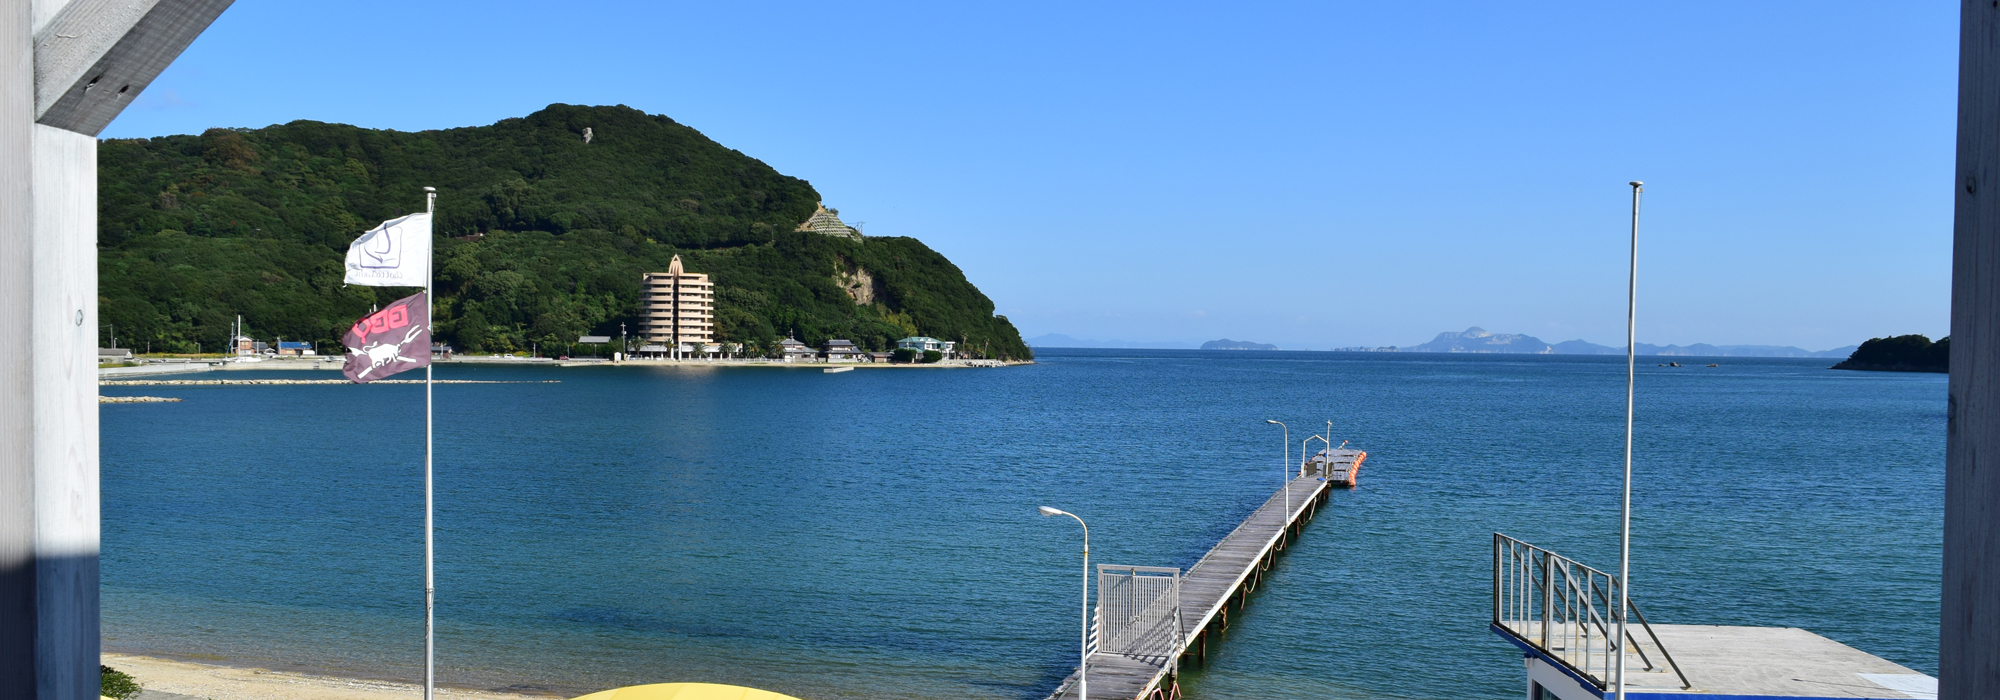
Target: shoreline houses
{"type": "Point", "coordinates": [791, 350]}
{"type": "Point", "coordinates": [839, 350]}
{"type": "Point", "coordinates": [679, 309]}
{"type": "Point", "coordinates": [844, 350]}
{"type": "Point", "coordinates": [920, 343]}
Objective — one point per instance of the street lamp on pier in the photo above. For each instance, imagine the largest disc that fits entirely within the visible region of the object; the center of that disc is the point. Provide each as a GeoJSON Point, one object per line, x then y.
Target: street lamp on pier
{"type": "Point", "coordinates": [1083, 643]}
{"type": "Point", "coordinates": [1285, 518]}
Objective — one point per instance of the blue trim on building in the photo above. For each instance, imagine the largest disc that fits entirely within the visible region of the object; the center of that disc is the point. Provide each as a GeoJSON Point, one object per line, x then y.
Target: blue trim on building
{"type": "Point", "coordinates": [1530, 650]}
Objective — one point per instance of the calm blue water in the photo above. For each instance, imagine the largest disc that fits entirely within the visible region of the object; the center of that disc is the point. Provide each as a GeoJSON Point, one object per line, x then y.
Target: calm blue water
{"type": "Point", "coordinates": [872, 534]}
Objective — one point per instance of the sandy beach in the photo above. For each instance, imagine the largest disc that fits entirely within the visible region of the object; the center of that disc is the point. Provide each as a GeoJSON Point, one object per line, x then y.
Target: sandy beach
{"type": "Point", "coordinates": [231, 683]}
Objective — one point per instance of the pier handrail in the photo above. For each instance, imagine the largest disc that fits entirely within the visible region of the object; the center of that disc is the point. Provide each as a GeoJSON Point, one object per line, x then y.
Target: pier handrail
{"type": "Point", "coordinates": [1140, 610]}
{"type": "Point", "coordinates": [1557, 605]}
{"type": "Point", "coordinates": [1239, 526]}
{"type": "Point", "coordinates": [1307, 458]}
{"type": "Point", "coordinates": [1096, 623]}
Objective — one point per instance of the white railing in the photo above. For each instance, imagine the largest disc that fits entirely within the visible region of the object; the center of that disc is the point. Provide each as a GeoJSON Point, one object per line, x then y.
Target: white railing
{"type": "Point", "coordinates": [1140, 610]}
{"type": "Point", "coordinates": [1145, 618]}
{"type": "Point", "coordinates": [1564, 610]}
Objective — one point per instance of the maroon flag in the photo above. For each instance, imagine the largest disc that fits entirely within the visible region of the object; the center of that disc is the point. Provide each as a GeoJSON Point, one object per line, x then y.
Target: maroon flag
{"type": "Point", "coordinates": [389, 341]}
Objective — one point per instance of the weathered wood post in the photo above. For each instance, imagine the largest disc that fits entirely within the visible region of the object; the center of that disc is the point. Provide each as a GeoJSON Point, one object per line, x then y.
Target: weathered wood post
{"type": "Point", "coordinates": [1969, 629]}
{"type": "Point", "coordinates": [67, 68]}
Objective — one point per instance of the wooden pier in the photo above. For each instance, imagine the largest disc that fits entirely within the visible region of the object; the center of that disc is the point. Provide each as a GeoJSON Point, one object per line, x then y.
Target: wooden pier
{"type": "Point", "coordinates": [1230, 572]}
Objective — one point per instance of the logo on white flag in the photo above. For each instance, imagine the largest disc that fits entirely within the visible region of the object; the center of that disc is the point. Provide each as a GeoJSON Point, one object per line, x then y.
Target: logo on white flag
{"type": "Point", "coordinates": [378, 252]}
{"type": "Point", "coordinates": [395, 254]}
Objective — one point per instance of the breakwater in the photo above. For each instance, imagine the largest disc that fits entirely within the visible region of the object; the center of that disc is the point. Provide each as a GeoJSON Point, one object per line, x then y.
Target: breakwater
{"type": "Point", "coordinates": [300, 382]}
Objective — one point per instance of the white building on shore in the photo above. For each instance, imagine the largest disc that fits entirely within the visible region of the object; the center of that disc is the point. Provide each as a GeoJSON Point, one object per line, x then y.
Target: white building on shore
{"type": "Point", "coordinates": [921, 343]}
{"type": "Point", "coordinates": [679, 307]}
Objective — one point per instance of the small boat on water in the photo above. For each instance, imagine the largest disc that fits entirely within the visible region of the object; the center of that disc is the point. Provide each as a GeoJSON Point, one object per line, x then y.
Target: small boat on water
{"type": "Point", "coordinates": [837, 370]}
{"type": "Point", "coordinates": [1337, 466]}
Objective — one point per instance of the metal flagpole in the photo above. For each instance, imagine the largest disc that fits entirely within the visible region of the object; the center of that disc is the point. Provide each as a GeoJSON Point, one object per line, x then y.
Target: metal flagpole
{"type": "Point", "coordinates": [430, 591]}
{"type": "Point", "coordinates": [1625, 512]}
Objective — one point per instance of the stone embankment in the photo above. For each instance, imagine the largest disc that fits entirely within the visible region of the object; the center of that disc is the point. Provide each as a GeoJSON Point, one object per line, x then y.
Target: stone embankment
{"type": "Point", "coordinates": [136, 399]}
{"type": "Point", "coordinates": [267, 382]}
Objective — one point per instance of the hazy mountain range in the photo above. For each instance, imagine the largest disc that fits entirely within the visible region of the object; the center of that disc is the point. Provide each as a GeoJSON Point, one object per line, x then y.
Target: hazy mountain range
{"type": "Point", "coordinates": [1227, 344]}
{"type": "Point", "coordinates": [1476, 339]}
{"type": "Point", "coordinates": [1480, 340]}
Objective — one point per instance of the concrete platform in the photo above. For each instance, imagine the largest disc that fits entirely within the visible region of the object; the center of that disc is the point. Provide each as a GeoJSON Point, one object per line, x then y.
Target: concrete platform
{"type": "Point", "coordinates": [1742, 663]}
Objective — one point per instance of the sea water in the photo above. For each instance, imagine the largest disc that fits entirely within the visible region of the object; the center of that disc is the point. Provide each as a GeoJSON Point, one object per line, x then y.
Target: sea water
{"type": "Point", "coordinates": [873, 534]}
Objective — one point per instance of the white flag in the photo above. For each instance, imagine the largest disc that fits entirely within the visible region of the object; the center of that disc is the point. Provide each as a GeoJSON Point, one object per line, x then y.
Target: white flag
{"type": "Point", "coordinates": [395, 254]}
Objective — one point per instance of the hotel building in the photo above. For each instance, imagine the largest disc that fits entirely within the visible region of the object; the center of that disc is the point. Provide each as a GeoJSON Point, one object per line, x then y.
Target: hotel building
{"type": "Point", "coordinates": [679, 307]}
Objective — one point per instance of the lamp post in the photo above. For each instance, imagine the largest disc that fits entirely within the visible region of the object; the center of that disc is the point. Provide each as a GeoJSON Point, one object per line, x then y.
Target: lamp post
{"type": "Point", "coordinates": [1286, 517]}
{"type": "Point", "coordinates": [1083, 643]}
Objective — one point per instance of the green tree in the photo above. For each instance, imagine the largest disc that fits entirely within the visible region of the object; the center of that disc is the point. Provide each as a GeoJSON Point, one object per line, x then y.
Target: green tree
{"type": "Point", "coordinates": [114, 683]}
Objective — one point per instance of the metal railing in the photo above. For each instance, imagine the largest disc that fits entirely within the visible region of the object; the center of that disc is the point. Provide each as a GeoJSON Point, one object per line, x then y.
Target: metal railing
{"type": "Point", "coordinates": [1096, 628]}
{"type": "Point", "coordinates": [1324, 463]}
{"type": "Point", "coordinates": [1144, 618]}
{"type": "Point", "coordinates": [1139, 611]}
{"type": "Point", "coordinates": [1564, 609]}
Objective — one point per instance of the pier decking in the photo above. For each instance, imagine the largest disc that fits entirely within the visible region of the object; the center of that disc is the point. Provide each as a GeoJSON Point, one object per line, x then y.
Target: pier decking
{"type": "Point", "coordinates": [1230, 571]}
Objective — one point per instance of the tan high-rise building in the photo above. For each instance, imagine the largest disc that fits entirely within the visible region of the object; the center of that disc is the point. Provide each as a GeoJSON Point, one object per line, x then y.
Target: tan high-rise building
{"type": "Point", "coordinates": [679, 306]}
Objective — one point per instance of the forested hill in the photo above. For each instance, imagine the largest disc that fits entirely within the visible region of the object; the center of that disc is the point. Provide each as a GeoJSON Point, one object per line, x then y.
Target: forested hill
{"type": "Point", "coordinates": [541, 237]}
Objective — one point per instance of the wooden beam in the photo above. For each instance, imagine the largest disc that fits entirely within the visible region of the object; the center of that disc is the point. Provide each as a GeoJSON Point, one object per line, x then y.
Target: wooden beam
{"type": "Point", "coordinates": [95, 56]}
{"type": "Point", "coordinates": [1969, 629]}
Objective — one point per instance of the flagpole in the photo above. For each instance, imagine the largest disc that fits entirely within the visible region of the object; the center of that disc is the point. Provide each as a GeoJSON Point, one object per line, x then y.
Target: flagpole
{"type": "Point", "coordinates": [1625, 510]}
{"type": "Point", "coordinates": [430, 591]}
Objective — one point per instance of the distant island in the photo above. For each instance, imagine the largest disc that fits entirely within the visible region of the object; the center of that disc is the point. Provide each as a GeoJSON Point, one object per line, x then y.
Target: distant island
{"type": "Point", "coordinates": [1480, 340]}
{"type": "Point", "coordinates": [1903, 353]}
{"type": "Point", "coordinates": [1227, 344]}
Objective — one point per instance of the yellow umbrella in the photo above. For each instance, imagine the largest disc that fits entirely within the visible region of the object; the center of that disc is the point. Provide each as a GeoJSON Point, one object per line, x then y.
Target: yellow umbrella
{"type": "Point", "coordinates": [685, 691]}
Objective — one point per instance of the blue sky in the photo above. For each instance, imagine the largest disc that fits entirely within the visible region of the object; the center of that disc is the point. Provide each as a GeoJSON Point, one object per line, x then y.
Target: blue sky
{"type": "Point", "coordinates": [1312, 175]}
